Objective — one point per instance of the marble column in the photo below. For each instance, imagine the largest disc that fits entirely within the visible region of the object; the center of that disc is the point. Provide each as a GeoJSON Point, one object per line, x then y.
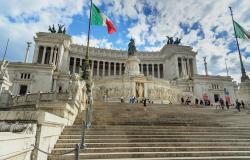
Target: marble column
{"type": "Point", "coordinates": [98, 65]}
{"type": "Point", "coordinates": [54, 58]}
{"type": "Point", "coordinates": [147, 70]}
{"type": "Point", "coordinates": [74, 65]}
{"type": "Point", "coordinates": [189, 67]}
{"type": "Point", "coordinates": [103, 68]}
{"type": "Point", "coordinates": [153, 70]}
{"type": "Point", "coordinates": [141, 68]}
{"type": "Point", "coordinates": [109, 68]}
{"type": "Point", "coordinates": [43, 58]}
{"type": "Point", "coordinates": [158, 70]}
{"type": "Point", "coordinates": [50, 56]}
{"type": "Point", "coordinates": [114, 68]}
{"type": "Point", "coordinates": [183, 67]}
{"type": "Point", "coordinates": [120, 72]}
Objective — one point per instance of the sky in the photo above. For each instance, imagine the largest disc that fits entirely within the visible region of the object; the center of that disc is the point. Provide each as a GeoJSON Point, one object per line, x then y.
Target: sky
{"type": "Point", "coordinates": [206, 26]}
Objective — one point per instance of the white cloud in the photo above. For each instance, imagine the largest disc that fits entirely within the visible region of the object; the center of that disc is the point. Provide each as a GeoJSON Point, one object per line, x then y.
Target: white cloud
{"type": "Point", "coordinates": [20, 20]}
{"type": "Point", "coordinates": [168, 14]}
{"type": "Point", "coordinates": [99, 43]}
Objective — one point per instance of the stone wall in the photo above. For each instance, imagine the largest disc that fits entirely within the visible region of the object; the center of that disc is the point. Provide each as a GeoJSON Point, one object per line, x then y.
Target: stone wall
{"type": "Point", "coordinates": [46, 129]}
{"type": "Point", "coordinates": [48, 113]}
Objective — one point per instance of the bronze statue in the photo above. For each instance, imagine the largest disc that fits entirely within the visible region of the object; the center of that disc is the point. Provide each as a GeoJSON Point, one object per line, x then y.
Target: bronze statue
{"type": "Point", "coordinates": [171, 40]}
{"type": "Point", "coordinates": [64, 30]}
{"type": "Point", "coordinates": [52, 30]}
{"type": "Point", "coordinates": [177, 41]}
{"type": "Point", "coordinates": [60, 28]}
{"type": "Point", "coordinates": [131, 47]}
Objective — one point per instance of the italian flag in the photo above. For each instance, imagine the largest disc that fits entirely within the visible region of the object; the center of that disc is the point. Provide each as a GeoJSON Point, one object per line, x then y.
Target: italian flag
{"type": "Point", "coordinates": [99, 19]}
{"type": "Point", "coordinates": [240, 32]}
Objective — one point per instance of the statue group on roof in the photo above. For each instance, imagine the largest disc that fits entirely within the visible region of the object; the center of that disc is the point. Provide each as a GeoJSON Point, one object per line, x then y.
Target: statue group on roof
{"type": "Point", "coordinates": [172, 41]}
{"type": "Point", "coordinates": [61, 29]}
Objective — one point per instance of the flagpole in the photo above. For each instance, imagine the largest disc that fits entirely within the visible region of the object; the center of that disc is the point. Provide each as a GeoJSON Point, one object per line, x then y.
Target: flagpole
{"type": "Point", "coordinates": [86, 69]}
{"type": "Point", "coordinates": [88, 79]}
{"type": "Point", "coordinates": [243, 71]}
{"type": "Point", "coordinates": [6, 48]}
{"type": "Point", "coordinates": [90, 16]}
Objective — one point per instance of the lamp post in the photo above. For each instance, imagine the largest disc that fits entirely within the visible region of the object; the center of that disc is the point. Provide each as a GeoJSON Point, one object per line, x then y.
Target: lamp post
{"type": "Point", "coordinates": [27, 51]}
{"type": "Point", "coordinates": [205, 64]}
{"type": "Point", "coordinates": [226, 65]}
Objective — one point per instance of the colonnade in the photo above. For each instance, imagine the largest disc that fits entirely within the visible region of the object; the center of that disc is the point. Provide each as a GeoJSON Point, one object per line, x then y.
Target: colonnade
{"type": "Point", "coordinates": [108, 68]}
{"type": "Point", "coordinates": [185, 66]}
{"type": "Point", "coordinates": [47, 55]}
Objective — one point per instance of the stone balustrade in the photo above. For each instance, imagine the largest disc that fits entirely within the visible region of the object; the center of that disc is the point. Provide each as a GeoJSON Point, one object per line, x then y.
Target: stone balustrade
{"type": "Point", "coordinates": [35, 98]}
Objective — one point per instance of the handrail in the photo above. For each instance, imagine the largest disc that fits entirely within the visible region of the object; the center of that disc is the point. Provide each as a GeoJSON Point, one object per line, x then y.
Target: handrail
{"type": "Point", "coordinates": [76, 150]}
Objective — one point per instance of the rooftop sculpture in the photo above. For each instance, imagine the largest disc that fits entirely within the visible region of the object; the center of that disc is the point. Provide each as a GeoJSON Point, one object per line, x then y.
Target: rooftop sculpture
{"type": "Point", "coordinates": [61, 29]}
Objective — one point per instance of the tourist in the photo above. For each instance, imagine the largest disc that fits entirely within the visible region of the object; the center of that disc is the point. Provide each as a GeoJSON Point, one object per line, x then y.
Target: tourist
{"type": "Point", "coordinates": [188, 101]}
{"type": "Point", "coordinates": [196, 101]}
{"type": "Point", "coordinates": [132, 99]}
{"type": "Point", "coordinates": [221, 103]}
{"type": "Point", "coordinates": [122, 99]}
{"type": "Point", "coordinates": [201, 102]}
{"type": "Point", "coordinates": [227, 104]}
{"type": "Point", "coordinates": [243, 104]}
{"type": "Point", "coordinates": [145, 103]}
{"type": "Point", "coordinates": [238, 105]}
{"type": "Point", "coordinates": [208, 102]}
{"type": "Point", "coordinates": [182, 100]}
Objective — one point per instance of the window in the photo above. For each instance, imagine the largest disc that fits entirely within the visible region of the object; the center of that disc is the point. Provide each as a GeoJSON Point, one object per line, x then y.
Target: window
{"type": "Point", "coordinates": [23, 89]}
{"type": "Point", "coordinates": [71, 64]}
{"type": "Point", "coordinates": [25, 76]}
{"type": "Point", "coordinates": [215, 86]}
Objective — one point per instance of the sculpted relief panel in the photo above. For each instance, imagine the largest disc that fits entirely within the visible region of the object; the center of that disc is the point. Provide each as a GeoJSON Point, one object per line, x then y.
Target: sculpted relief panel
{"type": "Point", "coordinates": [111, 92]}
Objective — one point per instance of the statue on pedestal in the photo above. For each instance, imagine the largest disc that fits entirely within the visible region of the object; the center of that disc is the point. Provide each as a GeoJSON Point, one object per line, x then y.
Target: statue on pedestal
{"type": "Point", "coordinates": [131, 47]}
{"type": "Point", "coordinates": [4, 72]}
{"type": "Point", "coordinates": [140, 90]}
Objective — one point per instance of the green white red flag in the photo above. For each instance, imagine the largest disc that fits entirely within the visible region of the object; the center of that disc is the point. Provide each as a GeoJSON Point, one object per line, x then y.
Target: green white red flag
{"type": "Point", "coordinates": [240, 32]}
{"type": "Point", "coordinates": [99, 19]}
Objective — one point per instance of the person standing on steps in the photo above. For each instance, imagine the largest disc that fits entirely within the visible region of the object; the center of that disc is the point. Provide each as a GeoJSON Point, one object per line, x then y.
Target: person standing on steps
{"type": "Point", "coordinates": [243, 104]}
{"type": "Point", "coordinates": [227, 105]}
{"type": "Point", "coordinates": [145, 104]}
{"type": "Point", "coordinates": [182, 100]}
{"type": "Point", "coordinates": [237, 105]}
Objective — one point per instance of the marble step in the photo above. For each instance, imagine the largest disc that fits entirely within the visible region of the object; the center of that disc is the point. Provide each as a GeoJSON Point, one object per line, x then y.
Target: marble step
{"type": "Point", "coordinates": [186, 158]}
{"type": "Point", "coordinates": [118, 155]}
{"type": "Point", "coordinates": [171, 132]}
{"type": "Point", "coordinates": [155, 144]}
{"type": "Point", "coordinates": [160, 127]}
{"type": "Point", "coordinates": [217, 139]}
{"type": "Point", "coordinates": [151, 136]}
{"type": "Point", "coordinates": [166, 129]}
{"type": "Point", "coordinates": [155, 149]}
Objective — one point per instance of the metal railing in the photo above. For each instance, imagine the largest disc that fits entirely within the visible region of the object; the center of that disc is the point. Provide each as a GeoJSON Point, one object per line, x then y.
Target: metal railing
{"type": "Point", "coordinates": [76, 151]}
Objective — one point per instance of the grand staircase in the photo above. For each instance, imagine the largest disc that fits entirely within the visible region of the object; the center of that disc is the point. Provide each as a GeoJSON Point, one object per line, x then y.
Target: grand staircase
{"type": "Point", "coordinates": [160, 132]}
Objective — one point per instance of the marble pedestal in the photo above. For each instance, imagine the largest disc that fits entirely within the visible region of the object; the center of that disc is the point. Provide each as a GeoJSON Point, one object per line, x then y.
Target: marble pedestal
{"type": "Point", "coordinates": [132, 66]}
